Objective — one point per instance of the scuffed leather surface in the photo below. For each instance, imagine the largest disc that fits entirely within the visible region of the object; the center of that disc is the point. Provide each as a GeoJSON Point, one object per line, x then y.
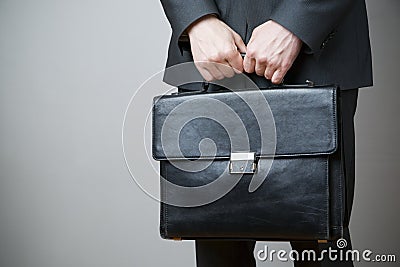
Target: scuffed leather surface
{"type": "Point", "coordinates": [292, 203]}
{"type": "Point", "coordinates": [305, 123]}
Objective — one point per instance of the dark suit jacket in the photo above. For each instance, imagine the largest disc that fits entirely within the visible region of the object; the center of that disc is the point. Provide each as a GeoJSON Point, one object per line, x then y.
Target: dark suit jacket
{"type": "Point", "coordinates": [336, 47]}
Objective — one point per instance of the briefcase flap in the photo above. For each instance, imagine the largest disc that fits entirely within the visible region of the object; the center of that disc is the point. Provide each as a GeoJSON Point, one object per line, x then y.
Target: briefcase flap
{"type": "Point", "coordinates": [213, 125]}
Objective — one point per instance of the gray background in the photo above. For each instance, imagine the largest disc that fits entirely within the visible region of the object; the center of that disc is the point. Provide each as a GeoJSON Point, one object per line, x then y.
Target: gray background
{"type": "Point", "coordinates": [67, 72]}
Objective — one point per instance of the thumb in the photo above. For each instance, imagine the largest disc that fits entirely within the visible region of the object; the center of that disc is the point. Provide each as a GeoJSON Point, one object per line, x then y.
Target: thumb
{"type": "Point", "coordinates": [239, 43]}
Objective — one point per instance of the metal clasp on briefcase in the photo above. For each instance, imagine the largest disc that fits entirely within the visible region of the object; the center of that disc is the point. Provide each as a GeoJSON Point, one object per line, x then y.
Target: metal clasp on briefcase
{"type": "Point", "coordinates": [242, 162]}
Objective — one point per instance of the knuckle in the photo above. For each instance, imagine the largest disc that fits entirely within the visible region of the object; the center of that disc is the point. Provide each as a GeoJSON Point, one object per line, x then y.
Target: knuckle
{"type": "Point", "coordinates": [238, 69]}
{"type": "Point", "coordinates": [270, 71]}
{"type": "Point", "coordinates": [286, 65]}
{"type": "Point", "coordinates": [230, 75]}
{"type": "Point", "coordinates": [214, 57]}
{"type": "Point", "coordinates": [251, 53]}
{"type": "Point", "coordinates": [260, 71]}
{"type": "Point", "coordinates": [208, 78]}
{"type": "Point", "coordinates": [199, 64]}
{"type": "Point", "coordinates": [219, 77]}
{"type": "Point", "coordinates": [273, 63]}
{"type": "Point", "coordinates": [262, 60]}
{"type": "Point", "coordinates": [221, 55]}
{"type": "Point", "coordinates": [231, 53]}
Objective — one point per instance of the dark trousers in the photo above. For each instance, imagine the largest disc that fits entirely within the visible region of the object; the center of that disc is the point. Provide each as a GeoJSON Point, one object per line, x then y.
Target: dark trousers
{"type": "Point", "coordinates": [223, 253]}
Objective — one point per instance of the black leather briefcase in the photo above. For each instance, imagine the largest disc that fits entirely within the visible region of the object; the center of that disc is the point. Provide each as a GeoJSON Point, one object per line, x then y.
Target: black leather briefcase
{"type": "Point", "coordinates": [300, 196]}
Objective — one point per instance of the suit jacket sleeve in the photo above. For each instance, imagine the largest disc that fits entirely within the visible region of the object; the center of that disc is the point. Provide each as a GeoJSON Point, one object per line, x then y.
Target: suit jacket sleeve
{"type": "Point", "coordinates": [313, 21]}
{"type": "Point", "coordinates": [182, 13]}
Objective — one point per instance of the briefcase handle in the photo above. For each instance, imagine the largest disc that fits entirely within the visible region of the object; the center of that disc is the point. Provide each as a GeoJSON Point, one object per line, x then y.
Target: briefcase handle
{"type": "Point", "coordinates": [308, 83]}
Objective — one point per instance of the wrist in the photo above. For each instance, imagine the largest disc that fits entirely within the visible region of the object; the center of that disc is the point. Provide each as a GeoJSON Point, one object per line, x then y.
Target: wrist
{"type": "Point", "coordinates": [200, 23]}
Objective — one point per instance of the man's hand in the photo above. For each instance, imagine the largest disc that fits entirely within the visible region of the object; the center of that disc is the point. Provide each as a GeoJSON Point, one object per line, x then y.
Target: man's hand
{"type": "Point", "coordinates": [271, 51]}
{"type": "Point", "coordinates": [212, 41]}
